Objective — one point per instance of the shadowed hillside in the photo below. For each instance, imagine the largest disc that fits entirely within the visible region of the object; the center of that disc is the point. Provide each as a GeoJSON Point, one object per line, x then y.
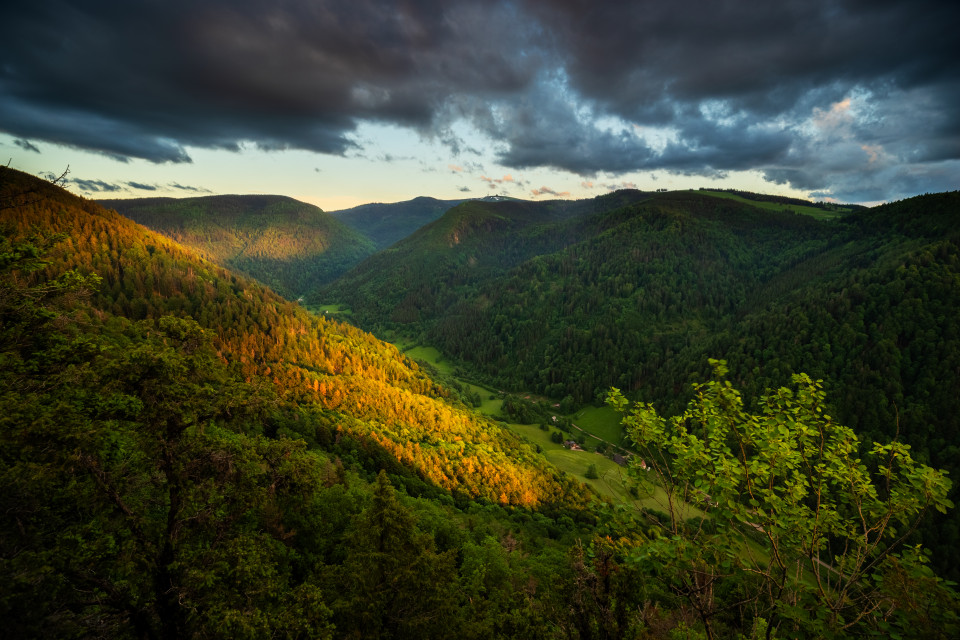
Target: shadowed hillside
{"type": "Point", "coordinates": [288, 245]}
{"type": "Point", "coordinates": [386, 224]}
{"type": "Point", "coordinates": [185, 454]}
{"type": "Point", "coordinates": [350, 381]}
{"type": "Point", "coordinates": [641, 296]}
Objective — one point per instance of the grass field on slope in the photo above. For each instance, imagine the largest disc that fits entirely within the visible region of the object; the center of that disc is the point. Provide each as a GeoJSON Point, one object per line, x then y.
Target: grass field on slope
{"type": "Point", "coordinates": [603, 422]}
{"type": "Point", "coordinates": [814, 212]}
{"type": "Point", "coordinates": [613, 481]}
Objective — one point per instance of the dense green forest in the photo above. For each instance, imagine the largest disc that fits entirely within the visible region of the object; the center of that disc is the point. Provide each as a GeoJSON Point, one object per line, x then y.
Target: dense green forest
{"type": "Point", "coordinates": [351, 378]}
{"type": "Point", "coordinates": [184, 453]}
{"type": "Point", "coordinates": [641, 296]}
{"type": "Point", "coordinates": [413, 282]}
{"type": "Point", "coordinates": [288, 245]}
{"type": "Point", "coordinates": [187, 454]}
{"type": "Point", "coordinates": [386, 224]}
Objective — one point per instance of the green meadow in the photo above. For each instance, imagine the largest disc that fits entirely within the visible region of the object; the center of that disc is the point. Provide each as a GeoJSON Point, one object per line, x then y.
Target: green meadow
{"type": "Point", "coordinates": [814, 212]}
{"type": "Point", "coordinates": [602, 422]}
{"type": "Point", "coordinates": [330, 310]}
{"type": "Point", "coordinates": [613, 482]}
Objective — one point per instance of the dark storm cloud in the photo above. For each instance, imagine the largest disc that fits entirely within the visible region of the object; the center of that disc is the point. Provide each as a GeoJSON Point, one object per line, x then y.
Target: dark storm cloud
{"type": "Point", "coordinates": [142, 187]}
{"type": "Point", "coordinates": [739, 82]}
{"type": "Point", "coordinates": [26, 145]}
{"type": "Point", "coordinates": [181, 187]}
{"type": "Point", "coordinates": [689, 86]}
{"type": "Point", "coordinates": [642, 57]}
{"type": "Point", "coordinates": [95, 186]}
{"type": "Point", "coordinates": [145, 79]}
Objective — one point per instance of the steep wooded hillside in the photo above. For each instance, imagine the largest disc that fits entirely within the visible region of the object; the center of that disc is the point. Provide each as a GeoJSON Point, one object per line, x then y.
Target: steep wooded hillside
{"type": "Point", "coordinates": [184, 454]}
{"type": "Point", "coordinates": [350, 382]}
{"type": "Point", "coordinates": [473, 243]}
{"type": "Point", "coordinates": [635, 284]}
{"type": "Point", "coordinates": [501, 284]}
{"type": "Point", "coordinates": [290, 246]}
{"type": "Point", "coordinates": [641, 296]}
{"type": "Point", "coordinates": [386, 224]}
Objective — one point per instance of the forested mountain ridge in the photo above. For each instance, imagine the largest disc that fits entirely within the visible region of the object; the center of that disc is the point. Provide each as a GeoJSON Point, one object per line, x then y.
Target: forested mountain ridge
{"type": "Point", "coordinates": [682, 264]}
{"type": "Point", "coordinates": [641, 296]}
{"type": "Point", "coordinates": [184, 454]}
{"type": "Point", "coordinates": [474, 242]}
{"type": "Point", "coordinates": [637, 283]}
{"type": "Point", "coordinates": [466, 257]}
{"type": "Point", "coordinates": [386, 224]}
{"type": "Point", "coordinates": [353, 382]}
{"type": "Point", "coordinates": [290, 246]}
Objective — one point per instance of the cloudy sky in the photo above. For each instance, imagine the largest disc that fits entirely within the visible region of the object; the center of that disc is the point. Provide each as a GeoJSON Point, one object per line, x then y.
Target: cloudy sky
{"type": "Point", "coordinates": [344, 102]}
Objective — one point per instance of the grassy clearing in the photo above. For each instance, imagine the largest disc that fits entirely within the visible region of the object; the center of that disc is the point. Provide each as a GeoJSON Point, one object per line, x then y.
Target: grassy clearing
{"type": "Point", "coordinates": [613, 483]}
{"type": "Point", "coordinates": [603, 422]}
{"type": "Point", "coordinates": [597, 423]}
{"type": "Point", "coordinates": [813, 212]}
{"type": "Point", "coordinates": [332, 310]}
{"type": "Point", "coordinates": [402, 343]}
{"type": "Point", "coordinates": [431, 356]}
{"type": "Point", "coordinates": [492, 404]}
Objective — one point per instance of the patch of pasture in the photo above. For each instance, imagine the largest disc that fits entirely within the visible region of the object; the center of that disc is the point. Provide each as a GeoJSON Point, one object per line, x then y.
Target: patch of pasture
{"type": "Point", "coordinates": [430, 355]}
{"type": "Point", "coordinates": [603, 422]}
{"type": "Point", "coordinates": [813, 212]}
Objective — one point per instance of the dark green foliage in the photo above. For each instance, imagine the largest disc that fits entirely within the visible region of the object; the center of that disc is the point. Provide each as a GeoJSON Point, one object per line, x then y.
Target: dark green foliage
{"type": "Point", "coordinates": [184, 454]}
{"type": "Point", "coordinates": [386, 224]}
{"type": "Point", "coordinates": [394, 584]}
{"type": "Point", "coordinates": [134, 499]}
{"type": "Point", "coordinates": [151, 487]}
{"type": "Point", "coordinates": [419, 278]}
{"type": "Point", "coordinates": [648, 280]}
{"type": "Point", "coordinates": [794, 525]}
{"type": "Point", "coordinates": [566, 301]}
{"type": "Point", "coordinates": [640, 296]}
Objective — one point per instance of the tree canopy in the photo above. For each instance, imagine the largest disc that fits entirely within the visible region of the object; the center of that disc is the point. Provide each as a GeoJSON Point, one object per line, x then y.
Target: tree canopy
{"type": "Point", "coordinates": [780, 503]}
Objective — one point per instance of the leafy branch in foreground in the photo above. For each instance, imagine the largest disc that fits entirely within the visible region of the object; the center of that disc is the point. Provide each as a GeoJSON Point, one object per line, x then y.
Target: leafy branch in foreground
{"type": "Point", "coordinates": [790, 525]}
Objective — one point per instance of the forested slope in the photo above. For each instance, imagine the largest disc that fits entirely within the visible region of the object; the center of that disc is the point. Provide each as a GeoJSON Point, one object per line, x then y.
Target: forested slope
{"type": "Point", "coordinates": [639, 283]}
{"type": "Point", "coordinates": [641, 296]}
{"type": "Point", "coordinates": [352, 381]}
{"type": "Point", "coordinates": [386, 224]}
{"type": "Point", "coordinates": [413, 282]}
{"type": "Point", "coordinates": [290, 246]}
{"type": "Point", "coordinates": [184, 454]}
{"type": "Point", "coordinates": [878, 319]}
{"type": "Point", "coordinates": [569, 298]}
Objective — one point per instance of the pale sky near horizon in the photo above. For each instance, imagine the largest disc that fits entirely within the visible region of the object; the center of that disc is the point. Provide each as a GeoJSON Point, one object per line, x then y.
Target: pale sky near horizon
{"type": "Point", "coordinates": [333, 182]}
{"type": "Point", "coordinates": [343, 103]}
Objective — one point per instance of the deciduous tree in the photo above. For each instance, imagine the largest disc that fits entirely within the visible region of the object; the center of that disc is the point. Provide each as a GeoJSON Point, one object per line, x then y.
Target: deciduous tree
{"type": "Point", "coordinates": [775, 514]}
